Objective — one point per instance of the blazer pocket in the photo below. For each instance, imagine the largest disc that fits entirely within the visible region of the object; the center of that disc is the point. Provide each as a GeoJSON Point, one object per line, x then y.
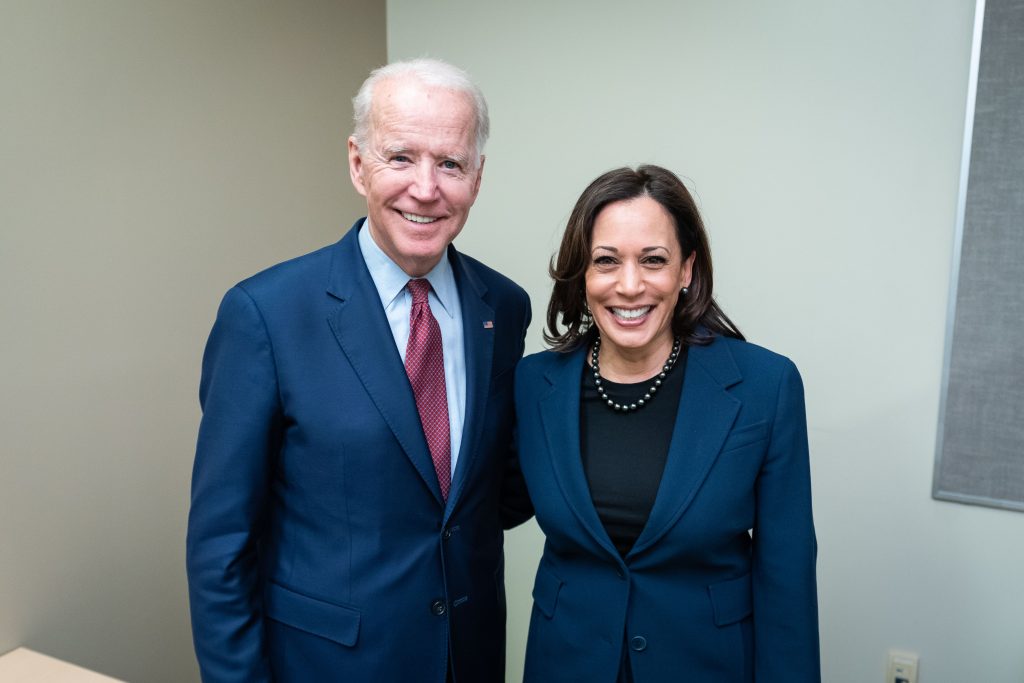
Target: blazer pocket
{"type": "Point", "coordinates": [746, 435]}
{"type": "Point", "coordinates": [324, 619]}
{"type": "Point", "coordinates": [545, 591]}
{"type": "Point", "coordinates": [731, 600]}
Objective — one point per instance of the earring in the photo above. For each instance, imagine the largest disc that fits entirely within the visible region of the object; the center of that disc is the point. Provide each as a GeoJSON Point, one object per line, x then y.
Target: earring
{"type": "Point", "coordinates": [684, 291]}
{"type": "Point", "coordinates": [586, 309]}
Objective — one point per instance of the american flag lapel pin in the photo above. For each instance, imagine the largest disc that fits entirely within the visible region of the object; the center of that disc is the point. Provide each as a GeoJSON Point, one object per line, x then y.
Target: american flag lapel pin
{"type": "Point", "coordinates": [488, 324]}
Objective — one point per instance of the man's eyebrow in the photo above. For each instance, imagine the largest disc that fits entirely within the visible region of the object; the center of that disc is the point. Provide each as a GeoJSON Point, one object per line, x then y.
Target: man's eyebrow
{"type": "Point", "coordinates": [458, 157]}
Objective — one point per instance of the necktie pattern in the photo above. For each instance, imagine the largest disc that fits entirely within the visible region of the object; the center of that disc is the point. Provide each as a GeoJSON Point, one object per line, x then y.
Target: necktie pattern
{"type": "Point", "coordinates": [424, 363]}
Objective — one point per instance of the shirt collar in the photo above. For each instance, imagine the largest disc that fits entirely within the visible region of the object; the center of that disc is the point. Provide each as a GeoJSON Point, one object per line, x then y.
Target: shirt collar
{"type": "Point", "coordinates": [391, 280]}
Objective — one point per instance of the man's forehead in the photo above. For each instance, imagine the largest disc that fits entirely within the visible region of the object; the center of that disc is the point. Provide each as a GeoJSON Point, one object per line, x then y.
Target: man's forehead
{"type": "Point", "coordinates": [411, 98]}
{"type": "Point", "coordinates": [437, 122]}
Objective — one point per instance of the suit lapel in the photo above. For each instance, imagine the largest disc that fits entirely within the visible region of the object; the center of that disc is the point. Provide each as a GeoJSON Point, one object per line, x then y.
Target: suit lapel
{"type": "Point", "coordinates": [478, 343]}
{"type": "Point", "coordinates": [362, 331]}
{"type": "Point", "coordinates": [560, 415]}
{"type": "Point", "coordinates": [706, 415]}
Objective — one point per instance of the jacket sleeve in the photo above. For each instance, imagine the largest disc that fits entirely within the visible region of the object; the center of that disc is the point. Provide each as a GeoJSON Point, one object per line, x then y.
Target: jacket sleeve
{"type": "Point", "coordinates": [785, 549]}
{"type": "Point", "coordinates": [516, 507]}
{"type": "Point", "coordinates": [238, 439]}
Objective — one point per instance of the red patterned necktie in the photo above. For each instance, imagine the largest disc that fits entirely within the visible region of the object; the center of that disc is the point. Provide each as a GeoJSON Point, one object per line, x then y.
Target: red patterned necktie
{"type": "Point", "coordinates": [424, 363]}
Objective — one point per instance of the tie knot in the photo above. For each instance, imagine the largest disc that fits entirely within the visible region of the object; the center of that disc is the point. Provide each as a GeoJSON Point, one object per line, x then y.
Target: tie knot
{"type": "Point", "coordinates": [419, 288]}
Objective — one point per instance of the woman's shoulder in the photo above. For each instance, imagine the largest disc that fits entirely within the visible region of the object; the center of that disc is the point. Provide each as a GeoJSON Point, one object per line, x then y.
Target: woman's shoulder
{"type": "Point", "coordinates": [750, 356]}
{"type": "Point", "coordinates": [541, 360]}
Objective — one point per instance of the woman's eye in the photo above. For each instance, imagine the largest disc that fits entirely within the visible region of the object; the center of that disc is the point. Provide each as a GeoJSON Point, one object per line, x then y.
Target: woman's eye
{"type": "Point", "coordinates": [603, 260]}
{"type": "Point", "coordinates": [656, 260]}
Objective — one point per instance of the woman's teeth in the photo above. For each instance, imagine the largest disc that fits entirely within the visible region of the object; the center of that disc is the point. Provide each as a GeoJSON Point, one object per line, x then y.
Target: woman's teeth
{"type": "Point", "coordinates": [630, 313]}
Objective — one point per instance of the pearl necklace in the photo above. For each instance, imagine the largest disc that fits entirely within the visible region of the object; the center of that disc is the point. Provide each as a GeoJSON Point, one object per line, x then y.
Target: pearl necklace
{"type": "Point", "coordinates": [651, 391]}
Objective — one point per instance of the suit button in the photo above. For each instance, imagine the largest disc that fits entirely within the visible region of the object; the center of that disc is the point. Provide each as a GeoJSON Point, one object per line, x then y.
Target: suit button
{"type": "Point", "coordinates": [438, 608]}
{"type": "Point", "coordinates": [638, 643]}
{"type": "Point", "coordinates": [618, 573]}
{"type": "Point", "coordinates": [447, 534]}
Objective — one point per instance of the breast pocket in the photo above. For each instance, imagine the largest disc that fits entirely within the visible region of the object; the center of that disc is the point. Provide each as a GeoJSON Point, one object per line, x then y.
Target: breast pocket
{"type": "Point", "coordinates": [746, 435]}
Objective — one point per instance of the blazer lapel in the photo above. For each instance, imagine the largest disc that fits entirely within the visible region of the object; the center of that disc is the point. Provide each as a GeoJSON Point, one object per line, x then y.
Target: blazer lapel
{"type": "Point", "coordinates": [362, 331]}
{"type": "Point", "coordinates": [706, 415]}
{"type": "Point", "coordinates": [478, 342]}
{"type": "Point", "coordinates": [560, 415]}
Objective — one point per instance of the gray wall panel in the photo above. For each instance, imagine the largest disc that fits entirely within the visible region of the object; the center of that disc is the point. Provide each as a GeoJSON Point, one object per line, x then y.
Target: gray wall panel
{"type": "Point", "coordinates": [981, 438]}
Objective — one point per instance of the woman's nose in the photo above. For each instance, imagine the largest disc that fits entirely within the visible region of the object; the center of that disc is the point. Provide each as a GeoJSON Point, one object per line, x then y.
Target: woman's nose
{"type": "Point", "coordinates": [630, 281]}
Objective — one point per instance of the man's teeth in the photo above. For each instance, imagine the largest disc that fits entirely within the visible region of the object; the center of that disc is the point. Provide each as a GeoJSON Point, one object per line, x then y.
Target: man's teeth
{"type": "Point", "coordinates": [630, 313]}
{"type": "Point", "coordinates": [417, 219]}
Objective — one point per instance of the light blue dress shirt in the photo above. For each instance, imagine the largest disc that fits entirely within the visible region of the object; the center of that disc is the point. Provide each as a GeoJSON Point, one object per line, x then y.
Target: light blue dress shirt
{"type": "Point", "coordinates": [391, 282]}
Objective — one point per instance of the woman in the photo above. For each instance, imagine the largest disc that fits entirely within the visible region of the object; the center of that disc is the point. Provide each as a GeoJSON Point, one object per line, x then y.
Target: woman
{"type": "Point", "coordinates": [666, 459]}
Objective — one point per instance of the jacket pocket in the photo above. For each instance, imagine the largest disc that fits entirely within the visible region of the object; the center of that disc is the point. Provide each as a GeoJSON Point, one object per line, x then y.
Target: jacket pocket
{"type": "Point", "coordinates": [731, 600]}
{"type": "Point", "coordinates": [746, 435]}
{"type": "Point", "coordinates": [324, 619]}
{"type": "Point", "coordinates": [545, 591]}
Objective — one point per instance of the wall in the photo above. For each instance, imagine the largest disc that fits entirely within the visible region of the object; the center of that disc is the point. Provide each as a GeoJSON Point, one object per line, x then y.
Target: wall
{"type": "Point", "coordinates": [823, 142]}
{"type": "Point", "coordinates": [151, 155]}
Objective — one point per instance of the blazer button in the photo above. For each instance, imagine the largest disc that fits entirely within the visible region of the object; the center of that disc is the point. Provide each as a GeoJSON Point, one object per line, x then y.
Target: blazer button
{"type": "Point", "coordinates": [447, 534]}
{"type": "Point", "coordinates": [438, 608]}
{"type": "Point", "coordinates": [638, 643]}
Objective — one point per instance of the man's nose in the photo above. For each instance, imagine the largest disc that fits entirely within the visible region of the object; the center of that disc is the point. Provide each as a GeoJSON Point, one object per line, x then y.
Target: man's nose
{"type": "Point", "coordinates": [424, 185]}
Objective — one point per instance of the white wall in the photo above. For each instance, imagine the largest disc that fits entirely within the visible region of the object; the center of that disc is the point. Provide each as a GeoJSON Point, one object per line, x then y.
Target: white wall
{"type": "Point", "coordinates": [823, 141]}
{"type": "Point", "coordinates": [151, 155]}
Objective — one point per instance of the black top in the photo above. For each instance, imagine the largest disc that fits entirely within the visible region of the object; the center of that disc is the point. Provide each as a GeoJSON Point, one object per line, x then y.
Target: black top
{"type": "Point", "coordinates": [624, 454]}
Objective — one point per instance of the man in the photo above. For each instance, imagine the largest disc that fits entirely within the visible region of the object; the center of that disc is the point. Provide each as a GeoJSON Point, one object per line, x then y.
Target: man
{"type": "Point", "coordinates": [357, 415]}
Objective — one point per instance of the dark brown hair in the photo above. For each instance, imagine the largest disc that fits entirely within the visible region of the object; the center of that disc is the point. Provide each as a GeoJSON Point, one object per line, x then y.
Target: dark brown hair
{"type": "Point", "coordinates": [697, 318]}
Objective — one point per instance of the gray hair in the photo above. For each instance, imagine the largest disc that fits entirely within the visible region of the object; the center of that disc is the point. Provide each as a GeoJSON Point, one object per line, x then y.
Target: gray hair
{"type": "Point", "coordinates": [427, 71]}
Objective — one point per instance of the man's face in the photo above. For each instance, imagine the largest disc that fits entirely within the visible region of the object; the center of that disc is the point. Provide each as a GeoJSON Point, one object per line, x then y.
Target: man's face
{"type": "Point", "coordinates": [418, 170]}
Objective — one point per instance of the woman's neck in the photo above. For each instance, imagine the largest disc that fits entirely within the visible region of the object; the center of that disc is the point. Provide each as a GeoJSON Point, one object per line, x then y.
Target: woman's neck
{"type": "Point", "coordinates": [628, 366]}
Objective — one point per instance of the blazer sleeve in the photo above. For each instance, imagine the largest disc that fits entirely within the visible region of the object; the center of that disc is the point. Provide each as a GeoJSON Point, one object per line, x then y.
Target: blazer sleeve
{"type": "Point", "coordinates": [516, 507]}
{"type": "Point", "coordinates": [785, 548]}
{"type": "Point", "coordinates": [238, 438]}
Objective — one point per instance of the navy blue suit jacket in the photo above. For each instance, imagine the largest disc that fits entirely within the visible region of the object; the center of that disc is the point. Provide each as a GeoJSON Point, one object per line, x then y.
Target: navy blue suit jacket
{"type": "Point", "coordinates": [697, 598]}
{"type": "Point", "coordinates": [319, 546]}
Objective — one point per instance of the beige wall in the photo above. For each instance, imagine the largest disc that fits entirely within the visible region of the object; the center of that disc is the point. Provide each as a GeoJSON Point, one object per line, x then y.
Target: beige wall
{"type": "Point", "coordinates": [151, 154]}
{"type": "Point", "coordinates": [823, 141]}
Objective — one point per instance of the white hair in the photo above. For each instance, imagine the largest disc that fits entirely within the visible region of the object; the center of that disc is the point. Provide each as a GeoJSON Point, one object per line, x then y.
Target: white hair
{"type": "Point", "coordinates": [427, 71]}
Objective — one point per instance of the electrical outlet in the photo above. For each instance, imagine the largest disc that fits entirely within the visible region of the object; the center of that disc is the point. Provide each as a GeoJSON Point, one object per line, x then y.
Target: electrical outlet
{"type": "Point", "coordinates": [902, 667]}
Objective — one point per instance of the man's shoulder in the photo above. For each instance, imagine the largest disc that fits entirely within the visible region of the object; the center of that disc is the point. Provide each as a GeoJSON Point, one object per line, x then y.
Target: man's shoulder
{"type": "Point", "coordinates": [492, 278]}
{"type": "Point", "coordinates": [296, 275]}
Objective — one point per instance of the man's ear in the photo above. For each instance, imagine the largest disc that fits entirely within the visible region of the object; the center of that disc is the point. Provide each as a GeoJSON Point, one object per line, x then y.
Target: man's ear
{"type": "Point", "coordinates": [479, 176]}
{"type": "Point", "coordinates": [355, 166]}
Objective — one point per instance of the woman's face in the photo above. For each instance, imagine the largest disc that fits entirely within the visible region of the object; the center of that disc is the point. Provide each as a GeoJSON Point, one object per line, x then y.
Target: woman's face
{"type": "Point", "coordinates": [632, 283]}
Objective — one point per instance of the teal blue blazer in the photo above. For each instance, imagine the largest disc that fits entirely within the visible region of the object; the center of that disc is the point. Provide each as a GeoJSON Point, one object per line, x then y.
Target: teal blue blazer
{"type": "Point", "coordinates": [720, 586]}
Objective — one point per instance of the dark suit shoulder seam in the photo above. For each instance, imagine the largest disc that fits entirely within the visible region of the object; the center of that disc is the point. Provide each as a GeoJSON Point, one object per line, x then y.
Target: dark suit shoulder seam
{"type": "Point", "coordinates": [270, 339]}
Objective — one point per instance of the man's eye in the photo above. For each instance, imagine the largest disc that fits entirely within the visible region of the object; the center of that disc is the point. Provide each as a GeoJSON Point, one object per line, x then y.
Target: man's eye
{"type": "Point", "coordinates": [450, 165]}
{"type": "Point", "coordinates": [401, 158]}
